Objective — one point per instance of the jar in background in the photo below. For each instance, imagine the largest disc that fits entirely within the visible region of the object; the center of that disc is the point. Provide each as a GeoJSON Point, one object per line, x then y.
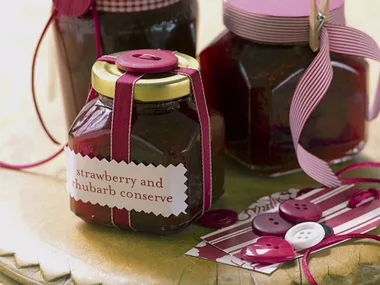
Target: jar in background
{"type": "Point", "coordinates": [165, 130]}
{"type": "Point", "coordinates": [251, 80]}
{"type": "Point", "coordinates": [124, 25]}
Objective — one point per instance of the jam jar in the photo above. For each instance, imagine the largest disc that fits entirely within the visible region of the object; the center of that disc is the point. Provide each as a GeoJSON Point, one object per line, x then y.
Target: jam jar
{"type": "Point", "coordinates": [165, 130]}
{"type": "Point", "coordinates": [250, 76]}
{"type": "Point", "coordinates": [124, 25]}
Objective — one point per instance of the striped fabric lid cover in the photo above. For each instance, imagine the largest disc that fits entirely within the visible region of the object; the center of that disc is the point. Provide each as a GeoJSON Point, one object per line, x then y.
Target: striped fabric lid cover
{"type": "Point", "coordinates": [278, 8]}
{"type": "Point", "coordinates": [275, 21]}
{"type": "Point", "coordinates": [122, 6]}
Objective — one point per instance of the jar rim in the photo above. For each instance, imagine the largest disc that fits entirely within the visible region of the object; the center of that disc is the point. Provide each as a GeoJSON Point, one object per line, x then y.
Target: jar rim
{"type": "Point", "coordinates": [152, 87]}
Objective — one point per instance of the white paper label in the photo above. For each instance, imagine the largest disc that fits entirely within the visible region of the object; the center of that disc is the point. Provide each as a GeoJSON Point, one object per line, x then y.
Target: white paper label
{"type": "Point", "coordinates": [159, 190]}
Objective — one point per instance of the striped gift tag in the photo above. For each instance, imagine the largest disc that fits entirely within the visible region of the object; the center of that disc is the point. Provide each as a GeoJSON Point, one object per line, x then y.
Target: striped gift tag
{"type": "Point", "coordinates": [206, 251]}
{"type": "Point", "coordinates": [336, 214]}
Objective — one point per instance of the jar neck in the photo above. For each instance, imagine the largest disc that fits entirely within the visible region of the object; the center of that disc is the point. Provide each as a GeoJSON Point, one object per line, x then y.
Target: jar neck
{"type": "Point", "coordinates": [183, 10]}
{"type": "Point", "coordinates": [269, 43]}
{"type": "Point", "coordinates": [158, 107]}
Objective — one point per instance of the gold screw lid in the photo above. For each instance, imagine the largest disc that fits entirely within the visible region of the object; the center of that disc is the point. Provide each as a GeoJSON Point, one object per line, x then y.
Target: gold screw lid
{"type": "Point", "coordinates": [151, 87]}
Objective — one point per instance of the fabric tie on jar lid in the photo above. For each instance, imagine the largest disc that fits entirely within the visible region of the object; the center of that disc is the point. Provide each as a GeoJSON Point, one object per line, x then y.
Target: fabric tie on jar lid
{"type": "Point", "coordinates": [124, 72]}
{"type": "Point", "coordinates": [286, 22]}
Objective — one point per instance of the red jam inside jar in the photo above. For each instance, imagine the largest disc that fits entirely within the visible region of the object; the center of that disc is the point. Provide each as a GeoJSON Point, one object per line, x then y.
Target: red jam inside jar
{"type": "Point", "coordinates": [165, 131]}
{"type": "Point", "coordinates": [171, 27]}
{"type": "Point", "coordinates": [252, 84]}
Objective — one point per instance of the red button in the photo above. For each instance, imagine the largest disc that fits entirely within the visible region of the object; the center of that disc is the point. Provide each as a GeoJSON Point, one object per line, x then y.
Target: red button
{"type": "Point", "coordinates": [218, 218]}
{"type": "Point", "coordinates": [270, 224]}
{"type": "Point", "coordinates": [299, 211]}
{"type": "Point", "coordinates": [268, 250]}
{"type": "Point", "coordinates": [72, 8]}
{"type": "Point", "coordinates": [147, 61]}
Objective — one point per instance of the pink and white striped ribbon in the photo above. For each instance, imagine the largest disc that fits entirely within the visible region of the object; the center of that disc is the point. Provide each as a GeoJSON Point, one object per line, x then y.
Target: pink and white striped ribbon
{"type": "Point", "coordinates": [314, 84]}
{"type": "Point", "coordinates": [335, 37]}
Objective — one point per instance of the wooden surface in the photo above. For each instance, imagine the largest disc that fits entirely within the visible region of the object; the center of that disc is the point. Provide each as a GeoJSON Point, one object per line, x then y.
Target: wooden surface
{"type": "Point", "coordinates": [34, 212]}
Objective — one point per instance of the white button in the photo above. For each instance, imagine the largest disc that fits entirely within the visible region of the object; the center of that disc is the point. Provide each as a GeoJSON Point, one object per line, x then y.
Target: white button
{"type": "Point", "coordinates": [305, 235]}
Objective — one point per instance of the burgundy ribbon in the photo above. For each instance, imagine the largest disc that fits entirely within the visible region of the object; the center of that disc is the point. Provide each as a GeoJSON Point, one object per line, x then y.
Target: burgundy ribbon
{"type": "Point", "coordinates": [115, 6]}
{"type": "Point", "coordinates": [358, 197]}
{"type": "Point", "coordinates": [327, 242]}
{"type": "Point", "coordinates": [204, 119]}
{"type": "Point", "coordinates": [52, 17]}
{"type": "Point", "coordinates": [121, 133]}
{"type": "Point", "coordinates": [354, 200]}
{"type": "Point", "coordinates": [98, 43]}
{"type": "Point", "coordinates": [121, 129]}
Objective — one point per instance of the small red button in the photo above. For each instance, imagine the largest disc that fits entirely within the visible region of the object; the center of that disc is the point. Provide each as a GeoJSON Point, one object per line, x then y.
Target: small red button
{"type": "Point", "coordinates": [72, 8]}
{"type": "Point", "coordinates": [218, 218]}
{"type": "Point", "coordinates": [147, 61]}
{"type": "Point", "coordinates": [299, 211]}
{"type": "Point", "coordinates": [270, 224]}
{"type": "Point", "coordinates": [268, 250]}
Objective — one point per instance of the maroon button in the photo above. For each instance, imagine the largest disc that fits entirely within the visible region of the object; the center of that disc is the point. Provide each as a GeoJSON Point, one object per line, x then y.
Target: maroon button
{"type": "Point", "coordinates": [270, 224]}
{"type": "Point", "coordinates": [147, 61]}
{"type": "Point", "coordinates": [218, 218]}
{"type": "Point", "coordinates": [268, 250]}
{"type": "Point", "coordinates": [299, 211]}
{"type": "Point", "coordinates": [72, 8]}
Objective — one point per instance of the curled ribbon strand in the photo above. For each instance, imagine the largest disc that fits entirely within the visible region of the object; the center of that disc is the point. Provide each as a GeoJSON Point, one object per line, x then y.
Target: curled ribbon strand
{"type": "Point", "coordinates": [328, 242]}
{"type": "Point", "coordinates": [313, 86]}
{"type": "Point", "coordinates": [98, 43]}
{"type": "Point", "coordinates": [53, 16]}
{"type": "Point", "coordinates": [360, 196]}
{"type": "Point", "coordinates": [33, 89]}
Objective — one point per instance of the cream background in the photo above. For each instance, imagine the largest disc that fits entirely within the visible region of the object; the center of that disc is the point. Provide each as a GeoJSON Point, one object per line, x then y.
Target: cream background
{"type": "Point", "coordinates": [20, 25]}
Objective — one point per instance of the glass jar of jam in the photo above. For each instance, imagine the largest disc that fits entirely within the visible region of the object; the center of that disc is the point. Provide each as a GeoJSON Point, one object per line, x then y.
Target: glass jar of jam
{"type": "Point", "coordinates": [124, 25]}
{"type": "Point", "coordinates": [165, 130]}
{"type": "Point", "coordinates": [250, 74]}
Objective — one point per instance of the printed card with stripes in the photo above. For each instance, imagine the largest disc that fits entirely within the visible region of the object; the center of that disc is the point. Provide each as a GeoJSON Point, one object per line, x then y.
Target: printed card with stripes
{"type": "Point", "coordinates": [206, 251]}
{"type": "Point", "coordinates": [336, 214]}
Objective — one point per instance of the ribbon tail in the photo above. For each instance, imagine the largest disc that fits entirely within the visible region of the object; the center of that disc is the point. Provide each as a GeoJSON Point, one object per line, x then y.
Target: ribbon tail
{"type": "Point", "coordinates": [350, 41]}
{"type": "Point", "coordinates": [54, 155]}
{"type": "Point", "coordinates": [329, 242]}
{"type": "Point", "coordinates": [309, 93]}
{"type": "Point", "coordinates": [360, 165]}
{"type": "Point", "coordinates": [31, 165]}
{"type": "Point", "coordinates": [51, 19]}
{"type": "Point", "coordinates": [204, 119]}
